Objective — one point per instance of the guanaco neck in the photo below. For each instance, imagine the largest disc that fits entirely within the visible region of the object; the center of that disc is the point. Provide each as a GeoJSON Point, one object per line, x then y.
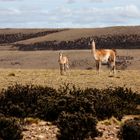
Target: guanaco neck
{"type": "Point", "coordinates": [60, 56]}
{"type": "Point", "coordinates": [93, 48]}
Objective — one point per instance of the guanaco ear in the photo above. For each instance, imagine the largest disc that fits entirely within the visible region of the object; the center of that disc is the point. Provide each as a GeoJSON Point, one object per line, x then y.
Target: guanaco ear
{"type": "Point", "coordinates": [60, 53]}
{"type": "Point", "coordinates": [91, 40]}
{"type": "Point", "coordinates": [89, 43]}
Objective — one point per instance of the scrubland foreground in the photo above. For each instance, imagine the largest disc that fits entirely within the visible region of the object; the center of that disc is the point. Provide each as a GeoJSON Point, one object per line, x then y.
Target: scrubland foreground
{"type": "Point", "coordinates": [76, 113]}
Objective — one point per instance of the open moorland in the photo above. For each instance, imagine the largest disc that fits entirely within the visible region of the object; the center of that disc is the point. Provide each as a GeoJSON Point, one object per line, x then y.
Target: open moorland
{"type": "Point", "coordinates": [97, 106]}
{"type": "Point", "coordinates": [42, 64]}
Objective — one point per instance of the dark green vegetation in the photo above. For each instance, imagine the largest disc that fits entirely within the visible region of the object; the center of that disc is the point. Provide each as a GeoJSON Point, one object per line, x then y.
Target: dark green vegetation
{"type": "Point", "coordinates": [75, 111]}
{"type": "Point", "coordinates": [14, 35]}
{"type": "Point", "coordinates": [130, 130]}
{"type": "Point", "coordinates": [10, 129]}
{"type": "Point", "coordinates": [55, 39]}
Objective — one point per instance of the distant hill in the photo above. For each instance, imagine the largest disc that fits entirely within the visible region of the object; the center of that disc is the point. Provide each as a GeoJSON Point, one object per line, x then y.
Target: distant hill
{"type": "Point", "coordinates": [123, 37]}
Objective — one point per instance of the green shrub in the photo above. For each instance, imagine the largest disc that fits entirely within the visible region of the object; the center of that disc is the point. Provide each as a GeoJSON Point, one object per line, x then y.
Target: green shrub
{"type": "Point", "coordinates": [76, 126]}
{"type": "Point", "coordinates": [115, 102]}
{"type": "Point", "coordinates": [10, 129]}
{"type": "Point", "coordinates": [23, 101]}
{"type": "Point", "coordinates": [54, 105]}
{"type": "Point", "coordinates": [47, 103]}
{"type": "Point", "coordinates": [130, 130]}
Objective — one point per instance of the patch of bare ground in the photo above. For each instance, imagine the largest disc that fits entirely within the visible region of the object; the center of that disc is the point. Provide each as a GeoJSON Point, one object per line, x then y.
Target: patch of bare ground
{"type": "Point", "coordinates": [35, 129]}
{"type": "Point", "coordinates": [109, 129]}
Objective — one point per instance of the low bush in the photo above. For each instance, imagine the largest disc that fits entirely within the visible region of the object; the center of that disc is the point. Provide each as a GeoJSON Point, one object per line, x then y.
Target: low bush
{"type": "Point", "coordinates": [47, 103]}
{"type": "Point", "coordinates": [130, 130]}
{"type": "Point", "coordinates": [10, 129]}
{"type": "Point", "coordinates": [115, 102]}
{"type": "Point", "coordinates": [22, 101]}
{"type": "Point", "coordinates": [76, 126]}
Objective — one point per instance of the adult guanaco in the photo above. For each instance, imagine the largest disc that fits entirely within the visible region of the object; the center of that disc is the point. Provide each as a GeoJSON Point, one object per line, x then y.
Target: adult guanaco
{"type": "Point", "coordinates": [103, 55]}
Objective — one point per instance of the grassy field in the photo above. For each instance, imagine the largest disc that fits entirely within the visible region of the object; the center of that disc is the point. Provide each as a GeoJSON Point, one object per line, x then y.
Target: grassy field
{"type": "Point", "coordinates": [78, 59]}
{"type": "Point", "coordinates": [80, 78]}
{"type": "Point", "coordinates": [42, 68]}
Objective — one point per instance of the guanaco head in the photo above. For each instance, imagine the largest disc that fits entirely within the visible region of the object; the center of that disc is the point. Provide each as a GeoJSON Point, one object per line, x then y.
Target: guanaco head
{"type": "Point", "coordinates": [91, 42]}
{"type": "Point", "coordinates": [92, 45]}
{"type": "Point", "coordinates": [60, 53]}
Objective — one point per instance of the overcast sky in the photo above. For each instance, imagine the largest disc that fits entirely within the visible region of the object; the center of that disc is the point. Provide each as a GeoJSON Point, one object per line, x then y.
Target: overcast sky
{"type": "Point", "coordinates": [68, 13]}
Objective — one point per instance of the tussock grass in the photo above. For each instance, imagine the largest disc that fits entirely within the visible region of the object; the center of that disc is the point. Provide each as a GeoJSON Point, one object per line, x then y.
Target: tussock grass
{"type": "Point", "coordinates": [110, 121]}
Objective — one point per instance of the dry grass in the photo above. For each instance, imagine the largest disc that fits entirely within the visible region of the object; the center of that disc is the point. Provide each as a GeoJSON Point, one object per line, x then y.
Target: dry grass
{"type": "Point", "coordinates": [41, 68]}
{"type": "Point", "coordinates": [79, 59]}
{"type": "Point", "coordinates": [80, 78]}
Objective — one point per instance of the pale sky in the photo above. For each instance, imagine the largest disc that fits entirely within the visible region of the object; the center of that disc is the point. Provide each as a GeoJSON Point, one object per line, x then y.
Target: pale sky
{"type": "Point", "coordinates": [68, 13]}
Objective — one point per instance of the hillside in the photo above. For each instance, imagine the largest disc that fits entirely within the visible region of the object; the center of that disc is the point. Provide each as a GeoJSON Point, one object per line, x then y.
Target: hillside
{"type": "Point", "coordinates": [54, 39]}
{"type": "Point", "coordinates": [14, 35]}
